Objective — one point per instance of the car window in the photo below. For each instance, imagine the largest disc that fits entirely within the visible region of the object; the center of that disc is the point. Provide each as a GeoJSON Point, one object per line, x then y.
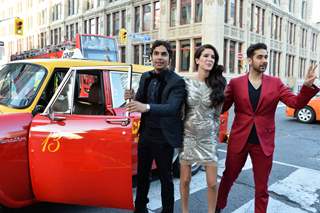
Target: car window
{"type": "Point", "coordinates": [63, 103]}
{"type": "Point", "coordinates": [84, 96]}
{"type": "Point", "coordinates": [119, 84]}
{"type": "Point", "coordinates": [19, 84]}
{"type": "Point", "coordinates": [89, 95]}
{"type": "Point", "coordinates": [52, 85]}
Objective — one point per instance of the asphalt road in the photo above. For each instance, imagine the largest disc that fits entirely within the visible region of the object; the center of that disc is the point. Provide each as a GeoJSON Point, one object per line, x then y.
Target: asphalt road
{"type": "Point", "coordinates": [294, 183]}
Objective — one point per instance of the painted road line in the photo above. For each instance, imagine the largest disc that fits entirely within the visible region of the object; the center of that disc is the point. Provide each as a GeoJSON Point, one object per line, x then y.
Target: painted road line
{"type": "Point", "coordinates": [274, 206]}
{"type": "Point", "coordinates": [198, 182]}
{"type": "Point", "coordinates": [276, 162]}
{"type": "Point", "coordinates": [281, 105]}
{"type": "Point", "coordinates": [301, 187]}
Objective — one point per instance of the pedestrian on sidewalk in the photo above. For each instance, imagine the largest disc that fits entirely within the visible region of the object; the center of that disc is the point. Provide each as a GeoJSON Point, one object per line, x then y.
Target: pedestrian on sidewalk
{"type": "Point", "coordinates": [255, 97]}
{"type": "Point", "coordinates": [201, 124]}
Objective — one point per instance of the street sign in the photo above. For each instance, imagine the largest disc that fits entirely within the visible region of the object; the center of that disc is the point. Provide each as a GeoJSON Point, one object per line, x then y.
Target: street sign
{"type": "Point", "coordinates": [1, 43]}
{"type": "Point", "coordinates": [139, 37]}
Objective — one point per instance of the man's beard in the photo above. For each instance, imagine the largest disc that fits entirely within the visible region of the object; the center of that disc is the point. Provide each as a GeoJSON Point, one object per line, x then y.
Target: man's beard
{"type": "Point", "coordinates": [261, 68]}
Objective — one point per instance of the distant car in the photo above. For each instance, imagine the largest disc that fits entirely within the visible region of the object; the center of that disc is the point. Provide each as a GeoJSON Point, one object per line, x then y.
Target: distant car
{"type": "Point", "coordinates": [65, 136]}
{"type": "Point", "coordinates": [307, 114]}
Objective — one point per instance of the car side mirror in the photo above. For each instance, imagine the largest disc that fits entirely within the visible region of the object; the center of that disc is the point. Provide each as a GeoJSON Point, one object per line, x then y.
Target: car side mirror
{"type": "Point", "coordinates": [53, 117]}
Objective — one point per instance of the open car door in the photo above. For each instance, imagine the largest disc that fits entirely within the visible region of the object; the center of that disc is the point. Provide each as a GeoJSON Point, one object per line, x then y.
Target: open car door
{"type": "Point", "coordinates": [81, 158]}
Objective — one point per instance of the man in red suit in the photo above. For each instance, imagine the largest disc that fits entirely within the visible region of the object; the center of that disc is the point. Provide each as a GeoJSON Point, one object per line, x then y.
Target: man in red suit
{"type": "Point", "coordinates": [256, 96]}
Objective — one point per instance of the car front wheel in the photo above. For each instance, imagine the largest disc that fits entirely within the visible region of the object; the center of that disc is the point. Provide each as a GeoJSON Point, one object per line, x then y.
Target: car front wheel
{"type": "Point", "coordinates": [306, 115]}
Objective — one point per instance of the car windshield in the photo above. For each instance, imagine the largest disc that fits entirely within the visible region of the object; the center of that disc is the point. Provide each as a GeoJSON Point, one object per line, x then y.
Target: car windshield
{"type": "Point", "coordinates": [19, 84]}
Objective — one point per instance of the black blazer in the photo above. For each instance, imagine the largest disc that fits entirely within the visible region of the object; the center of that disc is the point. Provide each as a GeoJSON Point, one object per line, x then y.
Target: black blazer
{"type": "Point", "coordinates": [169, 110]}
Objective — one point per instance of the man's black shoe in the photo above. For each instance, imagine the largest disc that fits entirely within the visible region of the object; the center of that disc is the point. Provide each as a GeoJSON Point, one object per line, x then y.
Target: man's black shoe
{"type": "Point", "coordinates": [218, 210]}
{"type": "Point", "coordinates": [143, 210]}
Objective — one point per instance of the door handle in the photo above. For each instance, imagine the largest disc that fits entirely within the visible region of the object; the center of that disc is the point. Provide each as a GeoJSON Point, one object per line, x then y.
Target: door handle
{"type": "Point", "coordinates": [119, 121]}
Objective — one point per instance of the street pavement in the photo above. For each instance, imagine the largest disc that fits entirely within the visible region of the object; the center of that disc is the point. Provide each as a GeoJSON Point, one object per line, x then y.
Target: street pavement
{"type": "Point", "coordinates": [294, 184]}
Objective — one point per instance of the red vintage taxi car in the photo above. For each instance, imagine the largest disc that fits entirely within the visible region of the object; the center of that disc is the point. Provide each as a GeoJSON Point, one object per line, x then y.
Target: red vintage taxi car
{"type": "Point", "coordinates": [65, 136]}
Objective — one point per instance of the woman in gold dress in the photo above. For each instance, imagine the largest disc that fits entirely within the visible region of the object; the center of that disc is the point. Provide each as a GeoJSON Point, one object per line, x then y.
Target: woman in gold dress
{"type": "Point", "coordinates": [201, 126]}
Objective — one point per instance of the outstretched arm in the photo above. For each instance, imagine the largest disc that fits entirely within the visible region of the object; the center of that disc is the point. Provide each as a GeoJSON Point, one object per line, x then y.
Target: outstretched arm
{"type": "Point", "coordinates": [308, 90]}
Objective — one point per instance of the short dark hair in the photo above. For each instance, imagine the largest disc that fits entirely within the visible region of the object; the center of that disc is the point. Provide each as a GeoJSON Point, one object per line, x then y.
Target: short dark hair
{"type": "Point", "coordinates": [164, 43]}
{"type": "Point", "coordinates": [254, 47]}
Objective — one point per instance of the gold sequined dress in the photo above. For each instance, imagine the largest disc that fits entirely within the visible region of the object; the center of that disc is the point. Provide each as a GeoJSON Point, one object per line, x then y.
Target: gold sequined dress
{"type": "Point", "coordinates": [201, 125]}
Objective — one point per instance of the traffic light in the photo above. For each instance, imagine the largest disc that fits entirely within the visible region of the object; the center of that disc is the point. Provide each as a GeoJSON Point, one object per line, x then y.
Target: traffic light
{"type": "Point", "coordinates": [18, 26]}
{"type": "Point", "coordinates": [123, 36]}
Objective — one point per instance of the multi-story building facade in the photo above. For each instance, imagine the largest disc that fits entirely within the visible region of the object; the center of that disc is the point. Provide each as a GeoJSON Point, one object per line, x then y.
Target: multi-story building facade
{"type": "Point", "coordinates": [230, 25]}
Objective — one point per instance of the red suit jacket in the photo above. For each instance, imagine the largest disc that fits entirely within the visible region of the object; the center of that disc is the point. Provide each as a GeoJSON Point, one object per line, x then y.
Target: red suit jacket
{"type": "Point", "coordinates": [272, 91]}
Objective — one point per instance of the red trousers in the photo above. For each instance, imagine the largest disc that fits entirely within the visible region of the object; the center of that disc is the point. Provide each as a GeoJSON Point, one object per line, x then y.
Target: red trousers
{"type": "Point", "coordinates": [262, 165]}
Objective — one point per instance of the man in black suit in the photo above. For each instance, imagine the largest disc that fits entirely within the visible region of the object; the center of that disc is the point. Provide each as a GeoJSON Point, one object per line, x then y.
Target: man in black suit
{"type": "Point", "coordinates": [159, 98]}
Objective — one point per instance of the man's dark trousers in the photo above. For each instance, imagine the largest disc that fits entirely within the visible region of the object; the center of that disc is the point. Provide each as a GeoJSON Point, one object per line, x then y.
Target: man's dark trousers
{"type": "Point", "coordinates": [162, 153]}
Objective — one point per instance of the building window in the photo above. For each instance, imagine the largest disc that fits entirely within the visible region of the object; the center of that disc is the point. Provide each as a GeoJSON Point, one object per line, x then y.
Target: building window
{"type": "Point", "coordinates": [115, 23]}
{"type": "Point", "coordinates": [136, 19]}
{"type": "Point", "coordinates": [276, 23]}
{"type": "Point", "coordinates": [185, 55]}
{"type": "Point", "coordinates": [241, 14]}
{"type": "Point", "coordinates": [67, 33]}
{"type": "Point", "coordinates": [225, 50]}
{"type": "Point", "coordinates": [108, 25]}
{"type": "Point", "coordinates": [197, 44]}
{"type": "Point", "coordinates": [146, 54]}
{"type": "Point", "coordinates": [302, 67]}
{"type": "Point", "coordinates": [185, 12]}
{"type": "Point", "coordinates": [136, 54]}
{"type": "Point", "coordinates": [240, 58]}
{"type": "Point", "coordinates": [72, 7]}
{"type": "Point", "coordinates": [146, 17]}
{"type": "Point", "coordinates": [274, 61]}
{"type": "Point", "coordinates": [232, 56]}
{"type": "Point", "coordinates": [92, 26]}
{"type": "Point", "coordinates": [56, 36]}
{"type": "Point", "coordinates": [252, 18]}
{"type": "Point", "coordinates": [173, 13]}
{"type": "Point", "coordinates": [156, 18]}
{"type": "Point", "coordinates": [72, 33]}
{"type": "Point", "coordinates": [56, 12]}
{"type": "Point", "coordinates": [314, 42]}
{"type": "Point", "coordinates": [198, 11]}
{"type": "Point", "coordinates": [90, 4]}
{"type": "Point", "coordinates": [174, 48]}
{"type": "Point", "coordinates": [291, 6]}
{"type": "Point", "coordinates": [289, 65]}
{"type": "Point", "coordinates": [291, 33]}
{"type": "Point", "coordinates": [233, 13]}
{"type": "Point", "coordinates": [77, 28]}
{"type": "Point", "coordinates": [85, 24]}
{"type": "Point", "coordinates": [303, 38]}
{"type": "Point", "coordinates": [303, 9]}
{"type": "Point", "coordinates": [123, 18]}
{"type": "Point", "coordinates": [226, 10]}
{"type": "Point", "coordinates": [123, 54]}
{"type": "Point", "coordinates": [97, 26]}
{"type": "Point", "coordinates": [257, 19]}
{"type": "Point", "coordinates": [43, 40]}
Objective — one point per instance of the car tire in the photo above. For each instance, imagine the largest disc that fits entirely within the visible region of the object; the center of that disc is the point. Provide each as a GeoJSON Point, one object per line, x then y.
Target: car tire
{"type": "Point", "coordinates": [306, 115]}
{"type": "Point", "coordinates": [176, 166]}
